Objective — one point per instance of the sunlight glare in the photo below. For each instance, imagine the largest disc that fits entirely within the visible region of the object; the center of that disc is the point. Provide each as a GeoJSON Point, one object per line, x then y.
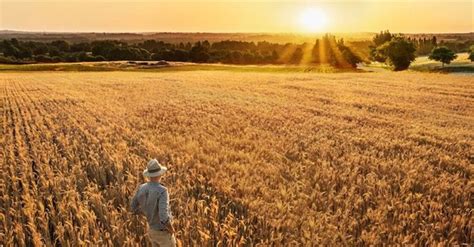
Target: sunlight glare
{"type": "Point", "coordinates": [312, 20]}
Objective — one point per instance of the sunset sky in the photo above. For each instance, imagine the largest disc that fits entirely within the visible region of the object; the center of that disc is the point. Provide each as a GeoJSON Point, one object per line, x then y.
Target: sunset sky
{"type": "Point", "coordinates": [407, 16]}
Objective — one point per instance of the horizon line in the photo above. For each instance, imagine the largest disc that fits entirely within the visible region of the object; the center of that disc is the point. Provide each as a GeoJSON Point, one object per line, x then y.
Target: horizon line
{"type": "Point", "coordinates": [218, 32]}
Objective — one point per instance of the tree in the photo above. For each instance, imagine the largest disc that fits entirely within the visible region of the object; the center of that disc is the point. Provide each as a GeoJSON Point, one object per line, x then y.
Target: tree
{"type": "Point", "coordinates": [471, 53]}
{"type": "Point", "coordinates": [434, 41]}
{"type": "Point", "coordinates": [80, 47]}
{"type": "Point", "coordinates": [62, 45]}
{"type": "Point", "coordinates": [40, 50]}
{"type": "Point", "coordinates": [102, 48]}
{"type": "Point", "coordinates": [379, 40]}
{"type": "Point", "coordinates": [43, 59]}
{"type": "Point", "coordinates": [10, 50]}
{"type": "Point", "coordinates": [399, 53]}
{"type": "Point", "coordinates": [54, 51]}
{"type": "Point", "coordinates": [325, 50]}
{"type": "Point", "coordinates": [297, 56]}
{"type": "Point", "coordinates": [199, 53]}
{"type": "Point", "coordinates": [382, 38]}
{"type": "Point", "coordinates": [443, 55]}
{"type": "Point", "coordinates": [349, 57]}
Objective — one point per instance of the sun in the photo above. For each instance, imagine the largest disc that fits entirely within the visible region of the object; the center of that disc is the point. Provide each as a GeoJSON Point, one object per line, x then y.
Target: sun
{"type": "Point", "coordinates": [312, 20]}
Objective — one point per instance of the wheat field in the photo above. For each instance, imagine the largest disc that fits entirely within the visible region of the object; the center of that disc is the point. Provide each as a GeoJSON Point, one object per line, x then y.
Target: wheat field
{"type": "Point", "coordinates": [254, 159]}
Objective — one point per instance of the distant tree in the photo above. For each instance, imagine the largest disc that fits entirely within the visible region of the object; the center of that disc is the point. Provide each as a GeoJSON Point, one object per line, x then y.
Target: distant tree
{"type": "Point", "coordinates": [71, 57]}
{"type": "Point", "coordinates": [57, 59]}
{"type": "Point", "coordinates": [199, 53]}
{"type": "Point", "coordinates": [150, 45]}
{"type": "Point", "coordinates": [297, 56]}
{"type": "Point", "coordinates": [328, 50]}
{"type": "Point", "coordinates": [248, 58]}
{"type": "Point", "coordinates": [85, 57]}
{"type": "Point", "coordinates": [471, 53]}
{"type": "Point", "coordinates": [40, 50]}
{"type": "Point", "coordinates": [181, 55]}
{"type": "Point", "coordinates": [349, 57]}
{"type": "Point", "coordinates": [99, 58]}
{"type": "Point", "coordinates": [443, 55]}
{"type": "Point", "coordinates": [128, 53]}
{"type": "Point", "coordinates": [379, 40]}
{"type": "Point", "coordinates": [10, 50]}
{"type": "Point", "coordinates": [8, 60]}
{"type": "Point", "coordinates": [274, 57]}
{"type": "Point", "coordinates": [54, 51]}
{"type": "Point", "coordinates": [164, 54]}
{"type": "Point", "coordinates": [62, 45]}
{"type": "Point", "coordinates": [102, 48]}
{"type": "Point", "coordinates": [25, 53]}
{"type": "Point", "coordinates": [188, 46]}
{"type": "Point", "coordinates": [382, 38]}
{"type": "Point", "coordinates": [80, 47]}
{"type": "Point", "coordinates": [206, 44]}
{"type": "Point", "coordinates": [15, 42]}
{"type": "Point", "coordinates": [399, 52]}
{"type": "Point", "coordinates": [13, 48]}
{"type": "Point", "coordinates": [142, 54]}
{"type": "Point", "coordinates": [325, 50]}
{"type": "Point", "coordinates": [377, 55]}
{"type": "Point", "coordinates": [434, 41]}
{"type": "Point", "coordinates": [316, 52]}
{"type": "Point", "coordinates": [43, 59]}
{"type": "Point", "coordinates": [236, 57]}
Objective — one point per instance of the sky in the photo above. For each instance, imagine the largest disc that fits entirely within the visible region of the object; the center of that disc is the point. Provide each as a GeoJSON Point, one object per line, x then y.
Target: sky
{"type": "Point", "coordinates": [406, 16]}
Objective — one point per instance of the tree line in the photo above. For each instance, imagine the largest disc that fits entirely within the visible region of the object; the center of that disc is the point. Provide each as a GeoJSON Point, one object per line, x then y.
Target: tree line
{"type": "Point", "coordinates": [424, 46]}
{"type": "Point", "coordinates": [326, 50]}
{"type": "Point", "coordinates": [400, 51]}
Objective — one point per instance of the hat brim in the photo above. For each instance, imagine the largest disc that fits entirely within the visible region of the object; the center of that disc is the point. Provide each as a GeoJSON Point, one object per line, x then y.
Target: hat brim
{"type": "Point", "coordinates": [155, 174]}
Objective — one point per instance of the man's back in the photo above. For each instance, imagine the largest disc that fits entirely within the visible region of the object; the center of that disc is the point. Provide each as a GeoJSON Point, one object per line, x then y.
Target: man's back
{"type": "Point", "coordinates": [152, 200]}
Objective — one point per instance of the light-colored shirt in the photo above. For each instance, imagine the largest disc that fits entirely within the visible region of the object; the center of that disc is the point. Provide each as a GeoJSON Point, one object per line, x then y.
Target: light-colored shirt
{"type": "Point", "coordinates": [152, 200]}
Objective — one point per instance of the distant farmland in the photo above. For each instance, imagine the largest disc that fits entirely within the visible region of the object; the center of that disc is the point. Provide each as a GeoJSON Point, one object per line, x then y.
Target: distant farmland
{"type": "Point", "coordinates": [254, 158]}
{"type": "Point", "coordinates": [212, 37]}
{"type": "Point", "coordinates": [177, 37]}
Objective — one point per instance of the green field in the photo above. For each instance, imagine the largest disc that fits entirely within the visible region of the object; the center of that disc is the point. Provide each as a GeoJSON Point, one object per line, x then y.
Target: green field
{"type": "Point", "coordinates": [123, 66]}
{"type": "Point", "coordinates": [461, 64]}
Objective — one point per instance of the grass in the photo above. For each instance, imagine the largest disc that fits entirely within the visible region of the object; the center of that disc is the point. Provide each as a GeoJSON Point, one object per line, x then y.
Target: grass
{"type": "Point", "coordinates": [53, 67]}
{"type": "Point", "coordinates": [460, 65]}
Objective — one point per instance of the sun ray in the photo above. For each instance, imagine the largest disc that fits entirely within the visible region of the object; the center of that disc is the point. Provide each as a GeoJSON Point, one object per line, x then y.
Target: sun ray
{"type": "Point", "coordinates": [307, 54]}
{"type": "Point", "coordinates": [285, 55]}
{"type": "Point", "coordinates": [322, 52]}
{"type": "Point", "coordinates": [340, 60]}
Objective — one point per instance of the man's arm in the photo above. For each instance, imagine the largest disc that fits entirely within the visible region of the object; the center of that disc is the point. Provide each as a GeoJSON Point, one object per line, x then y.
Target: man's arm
{"type": "Point", "coordinates": [164, 210]}
{"type": "Point", "coordinates": [135, 204]}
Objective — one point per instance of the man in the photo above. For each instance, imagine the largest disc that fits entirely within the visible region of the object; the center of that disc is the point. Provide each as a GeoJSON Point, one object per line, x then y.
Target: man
{"type": "Point", "coordinates": [152, 200]}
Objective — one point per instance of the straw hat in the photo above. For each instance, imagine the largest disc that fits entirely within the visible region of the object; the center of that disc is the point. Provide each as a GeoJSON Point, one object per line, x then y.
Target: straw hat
{"type": "Point", "coordinates": [154, 169]}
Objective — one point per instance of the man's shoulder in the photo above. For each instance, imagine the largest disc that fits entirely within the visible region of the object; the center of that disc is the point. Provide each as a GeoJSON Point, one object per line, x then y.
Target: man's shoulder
{"type": "Point", "coordinates": [163, 186]}
{"type": "Point", "coordinates": [156, 186]}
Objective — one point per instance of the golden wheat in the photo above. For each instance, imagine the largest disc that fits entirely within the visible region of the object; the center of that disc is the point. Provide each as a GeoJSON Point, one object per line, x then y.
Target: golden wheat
{"type": "Point", "coordinates": [254, 158]}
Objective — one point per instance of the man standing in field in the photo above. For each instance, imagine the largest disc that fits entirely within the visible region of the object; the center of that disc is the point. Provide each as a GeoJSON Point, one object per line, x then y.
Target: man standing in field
{"type": "Point", "coordinates": [152, 200]}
